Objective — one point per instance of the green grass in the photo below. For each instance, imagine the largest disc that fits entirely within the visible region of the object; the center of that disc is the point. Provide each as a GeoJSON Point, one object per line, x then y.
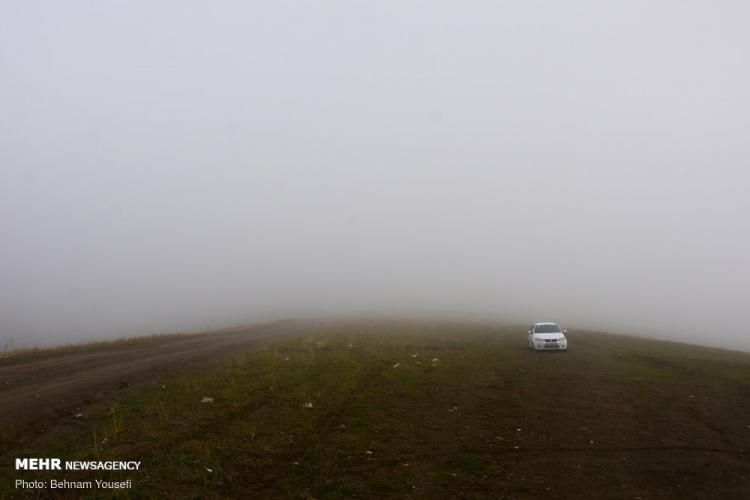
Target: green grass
{"type": "Point", "coordinates": [482, 420]}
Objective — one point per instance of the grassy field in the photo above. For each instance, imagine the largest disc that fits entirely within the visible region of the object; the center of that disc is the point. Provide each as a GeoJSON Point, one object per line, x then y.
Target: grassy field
{"type": "Point", "coordinates": [427, 410]}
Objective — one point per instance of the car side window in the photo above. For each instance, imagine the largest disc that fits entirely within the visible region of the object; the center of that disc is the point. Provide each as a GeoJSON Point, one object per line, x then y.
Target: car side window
{"type": "Point", "coordinates": [532, 329]}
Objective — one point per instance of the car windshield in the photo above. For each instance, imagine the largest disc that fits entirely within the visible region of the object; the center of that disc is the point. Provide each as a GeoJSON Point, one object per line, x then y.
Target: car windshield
{"type": "Point", "coordinates": [547, 329]}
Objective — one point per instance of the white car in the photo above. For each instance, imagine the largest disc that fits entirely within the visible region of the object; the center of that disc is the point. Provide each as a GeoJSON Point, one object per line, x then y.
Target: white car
{"type": "Point", "coordinates": [547, 337]}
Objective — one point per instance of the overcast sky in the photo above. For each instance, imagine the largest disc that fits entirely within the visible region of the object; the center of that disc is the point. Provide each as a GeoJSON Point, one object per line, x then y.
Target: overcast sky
{"type": "Point", "coordinates": [177, 165]}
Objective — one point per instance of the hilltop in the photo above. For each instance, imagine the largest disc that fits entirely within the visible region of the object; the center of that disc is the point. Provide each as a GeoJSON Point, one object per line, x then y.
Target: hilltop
{"type": "Point", "coordinates": [421, 410]}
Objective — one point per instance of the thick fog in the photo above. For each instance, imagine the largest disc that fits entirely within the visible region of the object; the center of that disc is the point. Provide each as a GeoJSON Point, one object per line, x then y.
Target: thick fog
{"type": "Point", "coordinates": [181, 165]}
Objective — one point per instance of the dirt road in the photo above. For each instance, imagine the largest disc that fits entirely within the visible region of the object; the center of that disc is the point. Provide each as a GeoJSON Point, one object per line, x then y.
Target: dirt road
{"type": "Point", "coordinates": [36, 391]}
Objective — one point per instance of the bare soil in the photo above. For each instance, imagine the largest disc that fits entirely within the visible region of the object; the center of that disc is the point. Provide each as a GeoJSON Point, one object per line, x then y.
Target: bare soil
{"type": "Point", "coordinates": [380, 410]}
{"type": "Point", "coordinates": [39, 389]}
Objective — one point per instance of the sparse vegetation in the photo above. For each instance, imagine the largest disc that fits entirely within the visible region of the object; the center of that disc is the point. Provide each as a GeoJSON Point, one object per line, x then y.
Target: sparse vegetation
{"type": "Point", "coordinates": [614, 417]}
{"type": "Point", "coordinates": [10, 352]}
{"type": "Point", "coordinates": [40, 352]}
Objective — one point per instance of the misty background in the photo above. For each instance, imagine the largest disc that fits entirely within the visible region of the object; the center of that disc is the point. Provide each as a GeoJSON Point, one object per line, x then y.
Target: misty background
{"type": "Point", "coordinates": [179, 165]}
